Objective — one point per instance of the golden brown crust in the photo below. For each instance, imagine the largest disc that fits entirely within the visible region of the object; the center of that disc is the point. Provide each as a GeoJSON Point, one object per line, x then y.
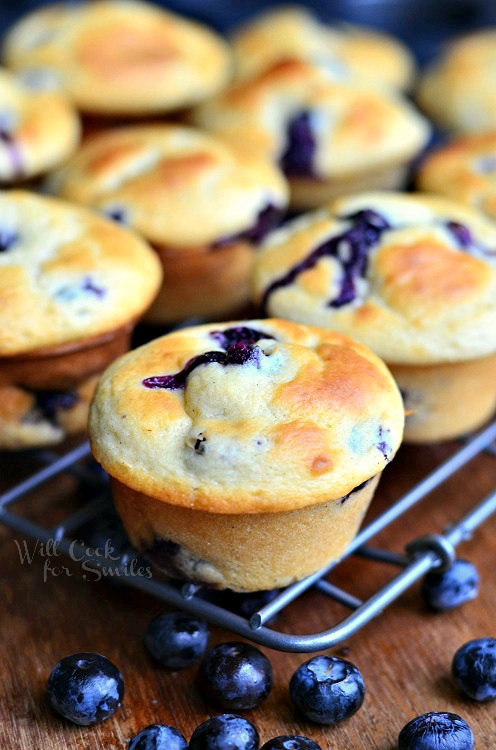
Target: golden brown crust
{"type": "Point", "coordinates": [310, 417]}
{"type": "Point", "coordinates": [39, 129]}
{"type": "Point", "coordinates": [356, 53]}
{"type": "Point", "coordinates": [465, 170]}
{"type": "Point", "coordinates": [356, 128]}
{"type": "Point", "coordinates": [67, 274]}
{"type": "Point", "coordinates": [106, 54]}
{"type": "Point", "coordinates": [458, 90]}
{"type": "Point", "coordinates": [419, 295]}
{"type": "Point", "coordinates": [176, 186]}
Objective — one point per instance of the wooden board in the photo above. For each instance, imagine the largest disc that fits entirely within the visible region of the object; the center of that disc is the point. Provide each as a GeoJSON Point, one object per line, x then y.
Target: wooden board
{"type": "Point", "coordinates": [404, 654]}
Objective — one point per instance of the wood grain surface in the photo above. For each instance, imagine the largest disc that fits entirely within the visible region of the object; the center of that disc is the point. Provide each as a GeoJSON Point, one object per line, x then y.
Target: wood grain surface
{"type": "Point", "coordinates": [404, 654]}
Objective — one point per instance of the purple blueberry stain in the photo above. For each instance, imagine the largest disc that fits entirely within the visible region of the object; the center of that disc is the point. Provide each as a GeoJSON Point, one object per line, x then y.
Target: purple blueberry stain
{"type": "Point", "coordinates": [74, 291]}
{"type": "Point", "coordinates": [238, 335]}
{"type": "Point", "coordinates": [350, 248]}
{"type": "Point", "coordinates": [486, 164]}
{"type": "Point", "coordinates": [8, 239]}
{"type": "Point", "coordinates": [239, 344]}
{"type": "Point", "coordinates": [117, 214]}
{"type": "Point", "coordinates": [297, 159]}
{"type": "Point", "coordinates": [267, 219]}
{"type": "Point", "coordinates": [384, 443]}
{"type": "Point", "coordinates": [8, 140]}
{"type": "Point", "coordinates": [358, 488]}
{"type": "Point", "coordinates": [49, 403]}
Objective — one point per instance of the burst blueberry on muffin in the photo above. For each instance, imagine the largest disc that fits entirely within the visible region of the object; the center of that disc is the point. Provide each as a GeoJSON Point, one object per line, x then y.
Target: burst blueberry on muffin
{"type": "Point", "coordinates": [295, 33]}
{"type": "Point", "coordinates": [120, 57]}
{"type": "Point", "coordinates": [464, 169]}
{"type": "Point", "coordinates": [262, 431]}
{"type": "Point", "coordinates": [39, 129]}
{"type": "Point", "coordinates": [203, 205]}
{"type": "Point", "coordinates": [411, 276]}
{"type": "Point", "coordinates": [330, 136]}
{"type": "Point", "coordinates": [72, 285]}
{"type": "Point", "coordinates": [457, 90]}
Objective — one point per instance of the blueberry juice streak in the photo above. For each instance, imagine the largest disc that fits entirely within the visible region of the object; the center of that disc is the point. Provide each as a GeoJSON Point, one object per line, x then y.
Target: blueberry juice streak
{"type": "Point", "coordinates": [267, 219]}
{"type": "Point", "coordinates": [239, 349]}
{"type": "Point", "coordinates": [298, 156]}
{"type": "Point", "coordinates": [351, 249]}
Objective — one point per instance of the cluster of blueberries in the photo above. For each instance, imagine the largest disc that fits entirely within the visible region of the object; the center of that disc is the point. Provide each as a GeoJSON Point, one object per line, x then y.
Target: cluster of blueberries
{"type": "Point", "coordinates": [87, 688]}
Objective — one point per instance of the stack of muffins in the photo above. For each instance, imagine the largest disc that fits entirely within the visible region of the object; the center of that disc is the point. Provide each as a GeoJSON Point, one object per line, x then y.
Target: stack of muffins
{"type": "Point", "coordinates": [243, 454]}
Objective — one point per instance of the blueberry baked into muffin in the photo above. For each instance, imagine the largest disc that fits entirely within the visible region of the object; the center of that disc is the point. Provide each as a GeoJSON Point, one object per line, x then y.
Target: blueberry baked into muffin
{"type": "Point", "coordinates": [243, 455]}
{"type": "Point", "coordinates": [411, 276]}
{"type": "Point", "coordinates": [203, 205]}
{"type": "Point", "coordinates": [120, 57]}
{"type": "Point", "coordinates": [295, 33]}
{"type": "Point", "coordinates": [330, 136]}
{"type": "Point", "coordinates": [457, 90]}
{"type": "Point", "coordinates": [39, 129]}
{"type": "Point", "coordinates": [463, 169]}
{"type": "Point", "coordinates": [72, 285]}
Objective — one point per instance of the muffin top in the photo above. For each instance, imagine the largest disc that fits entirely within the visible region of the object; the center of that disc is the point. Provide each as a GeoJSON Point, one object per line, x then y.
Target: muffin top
{"type": "Point", "coordinates": [296, 33]}
{"type": "Point", "coordinates": [39, 129]}
{"type": "Point", "coordinates": [67, 274]}
{"type": "Point", "coordinates": [314, 124]}
{"type": "Point", "coordinates": [412, 276]}
{"type": "Point", "coordinates": [246, 417]}
{"type": "Point", "coordinates": [458, 90]}
{"type": "Point", "coordinates": [465, 170]}
{"type": "Point", "coordinates": [120, 57]}
{"type": "Point", "coordinates": [177, 186]}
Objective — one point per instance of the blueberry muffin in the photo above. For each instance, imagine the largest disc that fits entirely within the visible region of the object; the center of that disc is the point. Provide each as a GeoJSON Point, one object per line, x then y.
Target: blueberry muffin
{"type": "Point", "coordinates": [329, 136]}
{"type": "Point", "coordinates": [39, 129]}
{"type": "Point", "coordinates": [72, 285]}
{"type": "Point", "coordinates": [457, 91]}
{"type": "Point", "coordinates": [202, 205]}
{"type": "Point", "coordinates": [244, 455]}
{"type": "Point", "coordinates": [294, 32]}
{"type": "Point", "coordinates": [411, 276]}
{"type": "Point", "coordinates": [464, 169]}
{"type": "Point", "coordinates": [120, 57]}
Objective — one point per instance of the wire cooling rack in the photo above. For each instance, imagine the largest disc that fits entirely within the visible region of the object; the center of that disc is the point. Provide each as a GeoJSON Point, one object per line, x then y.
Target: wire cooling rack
{"type": "Point", "coordinates": [421, 555]}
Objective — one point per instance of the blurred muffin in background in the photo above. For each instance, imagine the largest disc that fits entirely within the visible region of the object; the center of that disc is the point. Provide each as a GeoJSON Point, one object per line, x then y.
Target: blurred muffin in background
{"type": "Point", "coordinates": [458, 89]}
{"type": "Point", "coordinates": [411, 276]}
{"type": "Point", "coordinates": [464, 169]}
{"type": "Point", "coordinates": [39, 129]}
{"type": "Point", "coordinates": [120, 57]}
{"type": "Point", "coordinates": [295, 33]}
{"type": "Point", "coordinates": [72, 286]}
{"type": "Point", "coordinates": [329, 136]}
{"type": "Point", "coordinates": [203, 206]}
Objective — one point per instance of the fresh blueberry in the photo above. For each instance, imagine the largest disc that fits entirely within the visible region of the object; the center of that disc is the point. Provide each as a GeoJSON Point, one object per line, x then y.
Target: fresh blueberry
{"type": "Point", "coordinates": [85, 688]}
{"type": "Point", "coordinates": [474, 669]}
{"type": "Point", "coordinates": [158, 737]}
{"type": "Point", "coordinates": [244, 604]}
{"type": "Point", "coordinates": [176, 639]}
{"type": "Point", "coordinates": [290, 742]}
{"type": "Point", "coordinates": [235, 676]}
{"type": "Point", "coordinates": [225, 732]}
{"type": "Point", "coordinates": [443, 590]}
{"type": "Point", "coordinates": [436, 731]}
{"type": "Point", "coordinates": [327, 689]}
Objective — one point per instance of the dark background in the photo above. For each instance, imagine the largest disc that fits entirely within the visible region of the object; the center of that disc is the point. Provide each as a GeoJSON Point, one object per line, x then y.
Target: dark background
{"type": "Point", "coordinates": [423, 24]}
